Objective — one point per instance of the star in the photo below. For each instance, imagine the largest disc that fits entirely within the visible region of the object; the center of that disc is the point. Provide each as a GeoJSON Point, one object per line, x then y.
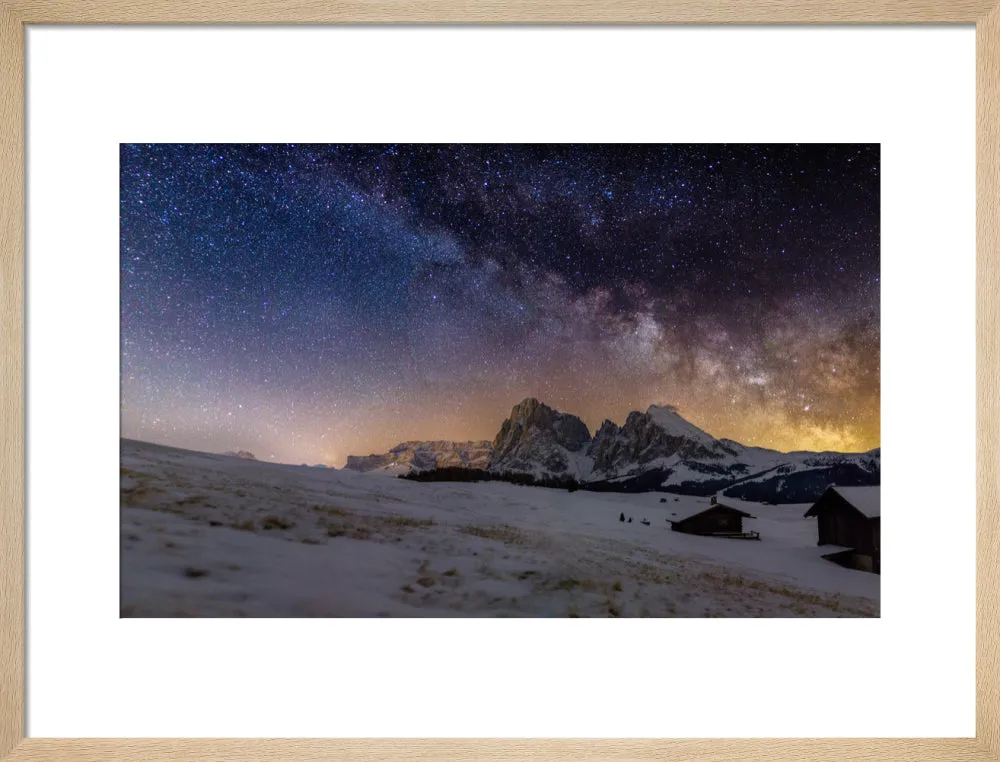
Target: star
{"type": "Point", "coordinates": [356, 296]}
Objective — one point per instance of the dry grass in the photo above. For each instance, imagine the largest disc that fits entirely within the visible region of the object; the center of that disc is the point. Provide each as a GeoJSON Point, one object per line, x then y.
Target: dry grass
{"type": "Point", "coordinates": [404, 521]}
{"type": "Point", "coordinates": [331, 511]}
{"type": "Point", "coordinates": [202, 505]}
{"type": "Point", "coordinates": [643, 572]}
{"type": "Point", "coordinates": [504, 533]}
{"type": "Point", "coordinates": [134, 496]}
{"type": "Point", "coordinates": [276, 522]}
{"type": "Point", "coordinates": [356, 526]}
{"type": "Point", "coordinates": [798, 599]}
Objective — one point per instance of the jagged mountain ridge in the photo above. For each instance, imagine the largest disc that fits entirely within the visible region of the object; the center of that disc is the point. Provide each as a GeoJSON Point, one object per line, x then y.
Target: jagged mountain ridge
{"type": "Point", "coordinates": [659, 433]}
{"type": "Point", "coordinates": [655, 450]}
{"type": "Point", "coordinates": [538, 440]}
{"type": "Point", "coordinates": [425, 455]}
{"type": "Point", "coordinates": [661, 450]}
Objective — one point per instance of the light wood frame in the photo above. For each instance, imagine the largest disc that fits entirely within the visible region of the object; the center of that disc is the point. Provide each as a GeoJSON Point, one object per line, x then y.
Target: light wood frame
{"type": "Point", "coordinates": [14, 15]}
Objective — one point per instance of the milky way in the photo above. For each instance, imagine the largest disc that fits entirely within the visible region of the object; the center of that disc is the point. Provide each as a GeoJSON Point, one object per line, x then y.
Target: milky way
{"type": "Point", "coordinates": [307, 302]}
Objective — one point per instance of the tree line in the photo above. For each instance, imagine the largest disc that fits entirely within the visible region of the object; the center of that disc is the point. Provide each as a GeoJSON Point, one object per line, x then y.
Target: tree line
{"type": "Point", "coordinates": [459, 474]}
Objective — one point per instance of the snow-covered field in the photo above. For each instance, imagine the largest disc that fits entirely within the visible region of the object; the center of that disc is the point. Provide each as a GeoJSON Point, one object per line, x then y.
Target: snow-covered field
{"type": "Point", "coordinates": [213, 535]}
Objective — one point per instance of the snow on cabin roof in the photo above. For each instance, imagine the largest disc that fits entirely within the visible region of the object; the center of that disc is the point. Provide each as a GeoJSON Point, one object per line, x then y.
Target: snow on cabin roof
{"type": "Point", "coordinates": [865, 499]}
{"type": "Point", "coordinates": [693, 509]}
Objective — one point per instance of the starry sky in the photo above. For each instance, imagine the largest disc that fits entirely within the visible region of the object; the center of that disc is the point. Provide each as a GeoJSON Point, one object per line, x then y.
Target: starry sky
{"type": "Point", "coordinates": [307, 302]}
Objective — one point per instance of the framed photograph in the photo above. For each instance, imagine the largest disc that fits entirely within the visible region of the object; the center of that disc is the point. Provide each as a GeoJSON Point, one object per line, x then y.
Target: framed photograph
{"type": "Point", "coordinates": [414, 341]}
{"type": "Point", "coordinates": [329, 370]}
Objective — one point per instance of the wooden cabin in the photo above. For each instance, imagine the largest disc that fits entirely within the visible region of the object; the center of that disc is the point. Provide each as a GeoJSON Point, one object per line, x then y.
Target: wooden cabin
{"type": "Point", "coordinates": [850, 517]}
{"type": "Point", "coordinates": [715, 520]}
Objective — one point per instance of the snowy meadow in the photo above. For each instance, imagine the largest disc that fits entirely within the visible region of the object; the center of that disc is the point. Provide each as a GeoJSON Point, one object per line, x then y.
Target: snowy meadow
{"type": "Point", "coordinates": [206, 535]}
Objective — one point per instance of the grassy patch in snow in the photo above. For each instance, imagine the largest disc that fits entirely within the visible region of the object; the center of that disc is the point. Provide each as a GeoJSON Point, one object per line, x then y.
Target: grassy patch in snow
{"type": "Point", "coordinates": [276, 522]}
{"type": "Point", "coordinates": [133, 495]}
{"type": "Point", "coordinates": [405, 521]}
{"type": "Point", "coordinates": [799, 600]}
{"type": "Point", "coordinates": [650, 573]}
{"type": "Point", "coordinates": [341, 523]}
{"type": "Point", "coordinates": [504, 533]}
{"type": "Point", "coordinates": [331, 510]}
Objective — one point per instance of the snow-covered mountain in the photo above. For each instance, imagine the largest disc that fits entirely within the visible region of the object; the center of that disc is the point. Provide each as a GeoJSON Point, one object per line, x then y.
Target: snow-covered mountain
{"type": "Point", "coordinates": [660, 450]}
{"type": "Point", "coordinates": [658, 437]}
{"type": "Point", "coordinates": [655, 450]}
{"type": "Point", "coordinates": [543, 442]}
{"type": "Point", "coordinates": [801, 477]}
{"type": "Point", "coordinates": [424, 456]}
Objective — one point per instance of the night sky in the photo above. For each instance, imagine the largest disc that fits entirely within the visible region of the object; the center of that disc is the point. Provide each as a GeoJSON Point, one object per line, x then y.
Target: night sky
{"type": "Point", "coordinates": [308, 302]}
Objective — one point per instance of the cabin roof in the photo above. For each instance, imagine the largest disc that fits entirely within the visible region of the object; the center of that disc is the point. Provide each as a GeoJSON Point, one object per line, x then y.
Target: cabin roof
{"type": "Point", "coordinates": [865, 499]}
{"type": "Point", "coordinates": [696, 509]}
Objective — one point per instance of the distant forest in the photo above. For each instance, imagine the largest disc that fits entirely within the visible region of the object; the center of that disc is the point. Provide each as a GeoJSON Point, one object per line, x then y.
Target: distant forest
{"type": "Point", "coordinates": [459, 474]}
{"type": "Point", "coordinates": [802, 487]}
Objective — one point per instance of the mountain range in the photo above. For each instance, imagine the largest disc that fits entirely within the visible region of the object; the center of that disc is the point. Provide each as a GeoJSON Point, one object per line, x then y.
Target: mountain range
{"type": "Point", "coordinates": [424, 456]}
{"type": "Point", "coordinates": [655, 450]}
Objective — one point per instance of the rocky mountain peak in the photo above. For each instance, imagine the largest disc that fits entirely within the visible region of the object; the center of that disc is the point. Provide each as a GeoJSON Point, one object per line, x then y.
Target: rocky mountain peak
{"type": "Point", "coordinates": [656, 449]}
{"type": "Point", "coordinates": [526, 407]}
{"type": "Point", "coordinates": [608, 429]}
{"type": "Point", "coordinates": [668, 418]}
{"type": "Point", "coordinates": [537, 438]}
